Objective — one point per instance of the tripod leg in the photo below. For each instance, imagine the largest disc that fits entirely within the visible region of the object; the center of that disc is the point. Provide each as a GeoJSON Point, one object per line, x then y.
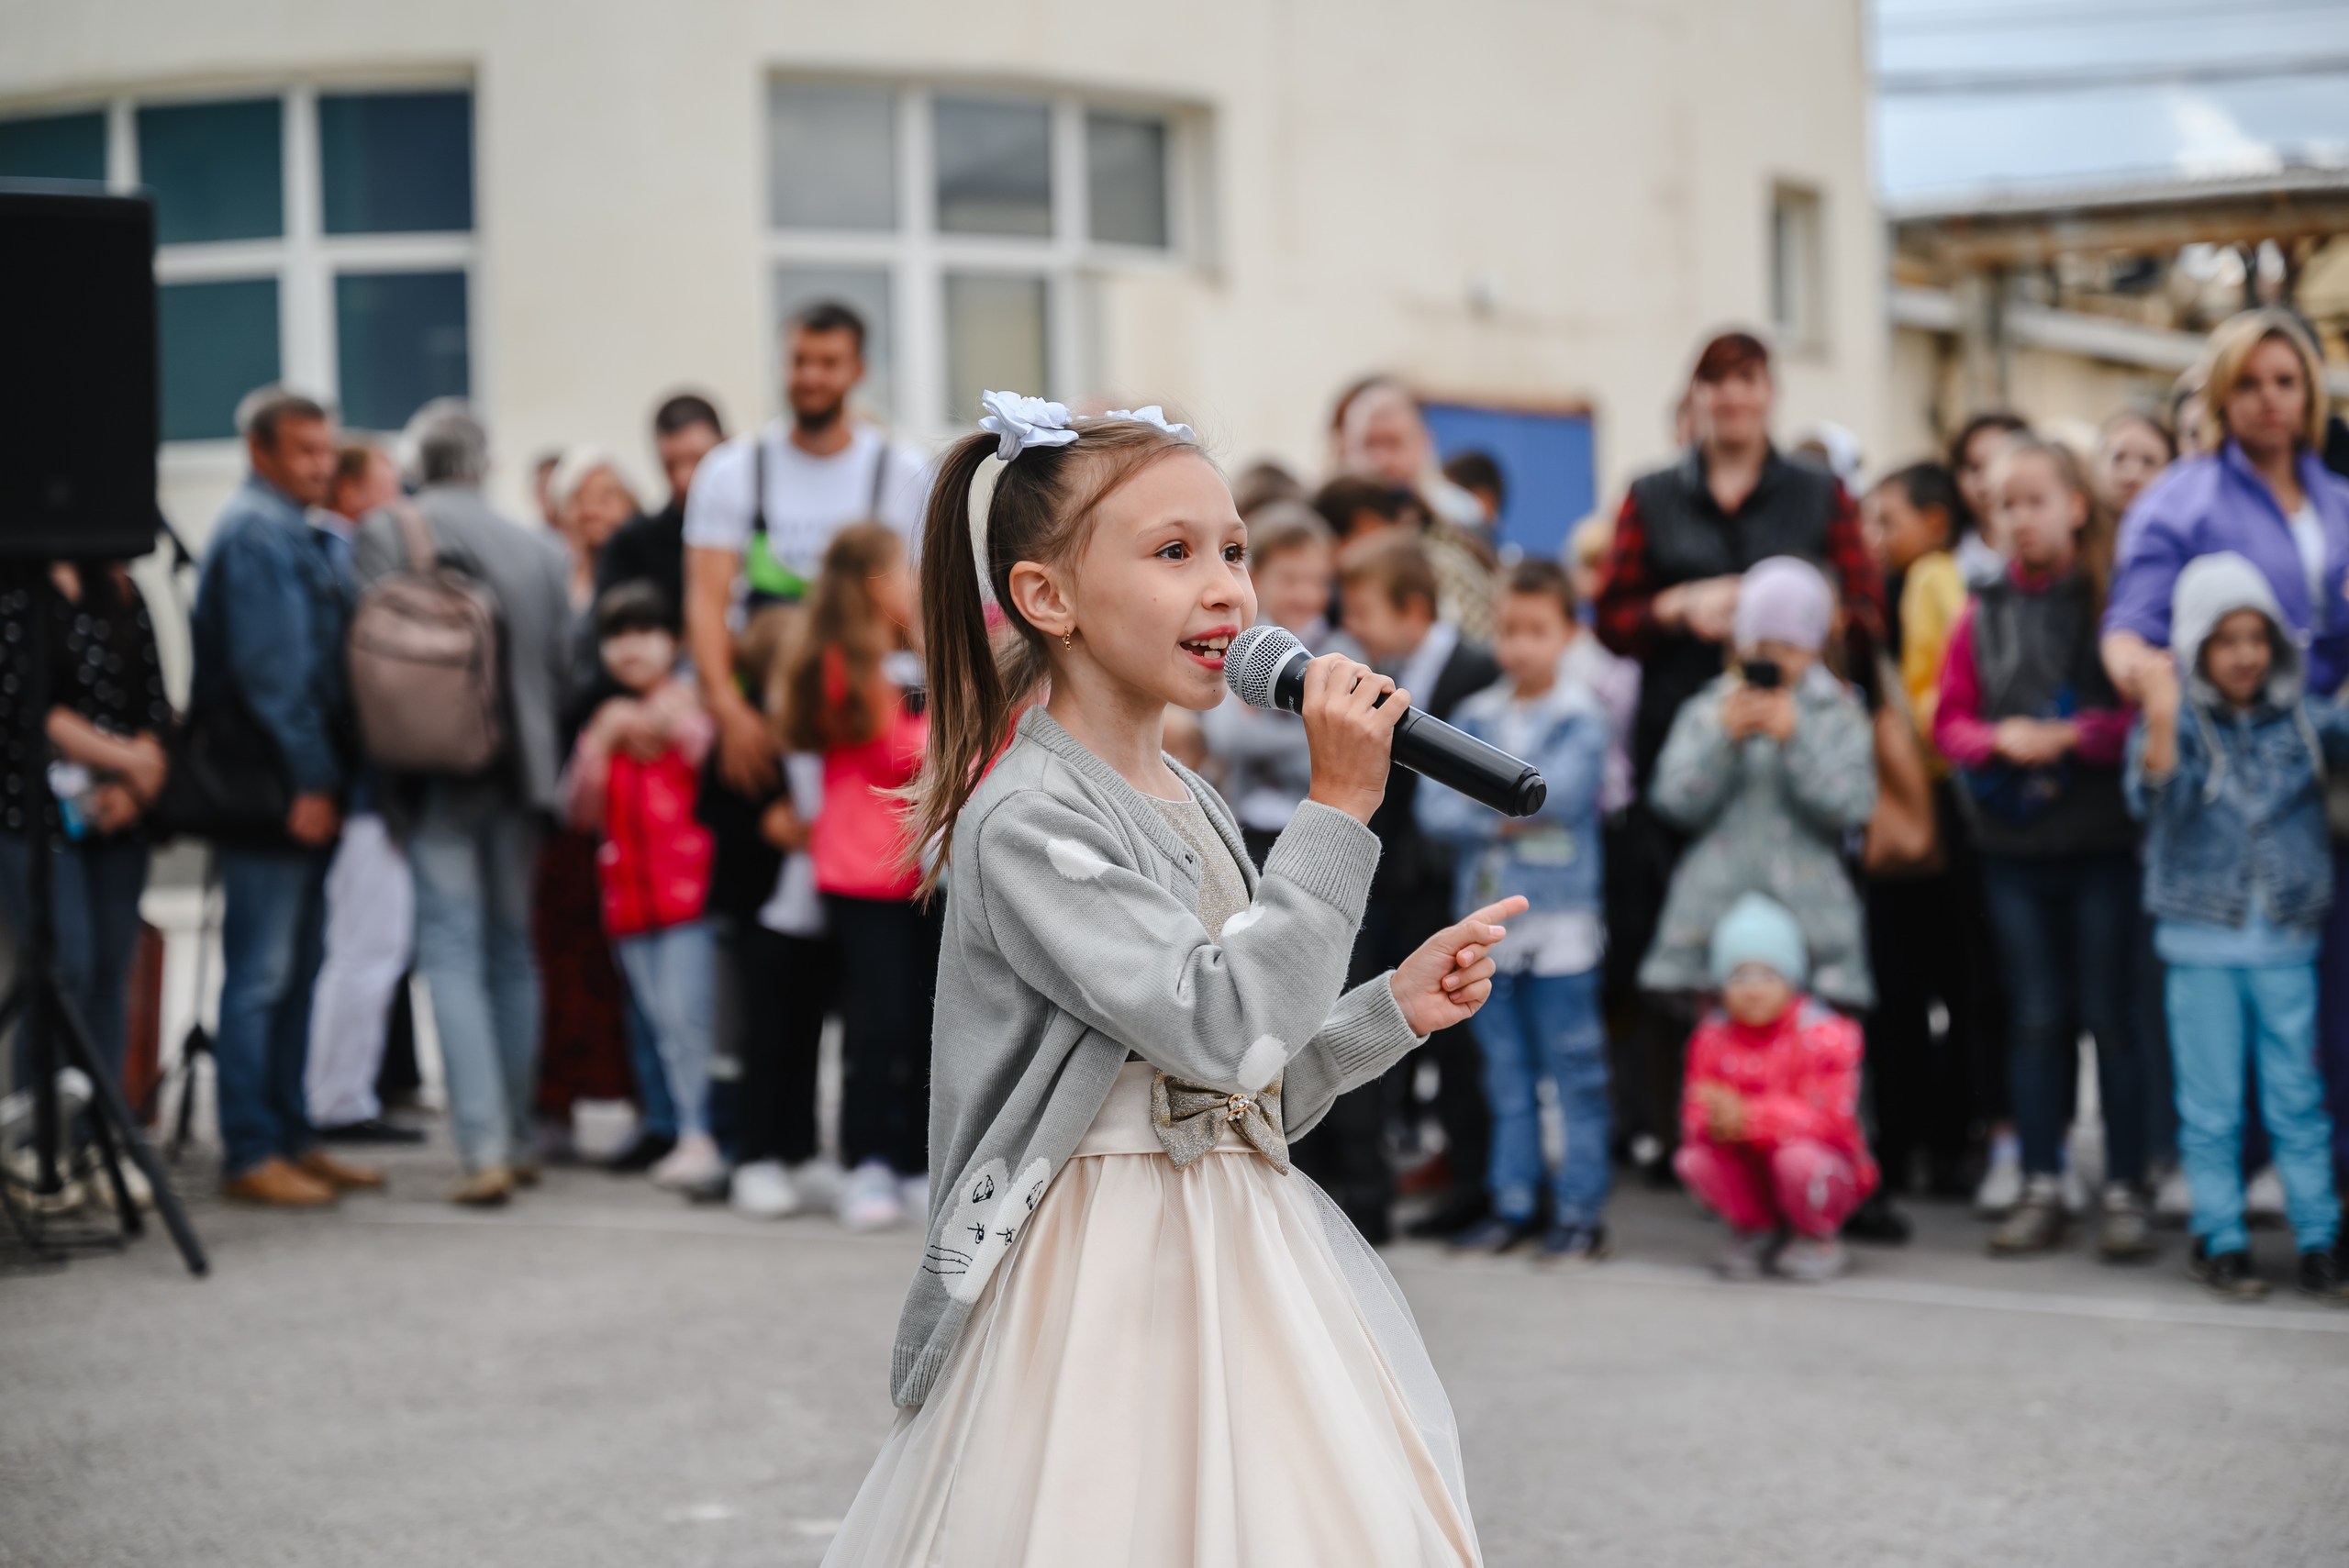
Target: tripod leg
{"type": "Point", "coordinates": [9, 1007]}
{"type": "Point", "coordinates": [107, 1102]}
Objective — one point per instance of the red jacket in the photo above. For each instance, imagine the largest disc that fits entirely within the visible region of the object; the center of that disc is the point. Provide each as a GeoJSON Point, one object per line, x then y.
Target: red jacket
{"type": "Point", "coordinates": [655, 857]}
{"type": "Point", "coordinates": [854, 841]}
{"type": "Point", "coordinates": [1799, 1079]}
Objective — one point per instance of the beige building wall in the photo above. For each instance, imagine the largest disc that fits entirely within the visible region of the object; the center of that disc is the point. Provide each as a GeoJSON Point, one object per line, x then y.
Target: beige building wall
{"type": "Point", "coordinates": [2067, 394]}
{"type": "Point", "coordinates": [1537, 204]}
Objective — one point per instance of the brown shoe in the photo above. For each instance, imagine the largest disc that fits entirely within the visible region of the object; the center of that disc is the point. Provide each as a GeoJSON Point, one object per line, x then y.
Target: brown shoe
{"type": "Point", "coordinates": [340, 1174]}
{"type": "Point", "coordinates": [485, 1188]}
{"type": "Point", "coordinates": [524, 1175]}
{"type": "Point", "coordinates": [279, 1186]}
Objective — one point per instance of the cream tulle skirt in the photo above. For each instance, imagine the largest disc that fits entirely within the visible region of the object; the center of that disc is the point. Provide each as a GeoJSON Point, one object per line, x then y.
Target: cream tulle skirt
{"type": "Point", "coordinates": [1206, 1366]}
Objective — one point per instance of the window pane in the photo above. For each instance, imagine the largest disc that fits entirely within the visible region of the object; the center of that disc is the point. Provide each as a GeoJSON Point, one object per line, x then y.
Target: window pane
{"type": "Point", "coordinates": [864, 290]}
{"type": "Point", "coordinates": [219, 342]}
{"type": "Point", "coordinates": [994, 339]}
{"type": "Point", "coordinates": [833, 153]}
{"type": "Point", "coordinates": [215, 170]}
{"type": "Point", "coordinates": [400, 338]}
{"type": "Point", "coordinates": [54, 146]}
{"type": "Point", "coordinates": [396, 162]}
{"type": "Point", "coordinates": [1125, 165]}
{"type": "Point", "coordinates": [994, 166]}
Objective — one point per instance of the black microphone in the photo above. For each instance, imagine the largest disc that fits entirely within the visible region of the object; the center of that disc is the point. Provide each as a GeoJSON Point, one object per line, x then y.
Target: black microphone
{"type": "Point", "coordinates": [1264, 667]}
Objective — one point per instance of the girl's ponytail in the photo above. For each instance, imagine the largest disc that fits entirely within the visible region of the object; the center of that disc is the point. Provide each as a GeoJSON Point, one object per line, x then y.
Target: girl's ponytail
{"type": "Point", "coordinates": [970, 709]}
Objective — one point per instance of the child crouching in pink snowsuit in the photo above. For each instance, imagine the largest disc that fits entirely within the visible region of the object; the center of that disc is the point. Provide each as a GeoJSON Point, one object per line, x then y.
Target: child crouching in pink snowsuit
{"type": "Point", "coordinates": [1769, 1122]}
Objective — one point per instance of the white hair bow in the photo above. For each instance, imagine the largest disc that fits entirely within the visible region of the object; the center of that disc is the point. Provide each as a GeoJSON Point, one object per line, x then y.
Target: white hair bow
{"type": "Point", "coordinates": [1154, 415]}
{"type": "Point", "coordinates": [1022, 422]}
{"type": "Point", "coordinates": [1018, 422]}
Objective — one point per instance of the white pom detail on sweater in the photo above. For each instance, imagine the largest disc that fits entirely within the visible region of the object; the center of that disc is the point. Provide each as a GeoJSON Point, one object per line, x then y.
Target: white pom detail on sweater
{"type": "Point", "coordinates": [1074, 861]}
{"type": "Point", "coordinates": [1264, 1063]}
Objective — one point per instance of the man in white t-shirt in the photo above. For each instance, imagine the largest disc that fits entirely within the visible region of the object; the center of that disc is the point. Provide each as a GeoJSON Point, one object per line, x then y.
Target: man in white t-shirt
{"type": "Point", "coordinates": [747, 542]}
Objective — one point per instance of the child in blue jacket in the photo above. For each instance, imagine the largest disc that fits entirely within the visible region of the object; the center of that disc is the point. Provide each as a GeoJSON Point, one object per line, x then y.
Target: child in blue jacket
{"type": "Point", "coordinates": [2229, 775]}
{"type": "Point", "coordinates": [1544, 1018]}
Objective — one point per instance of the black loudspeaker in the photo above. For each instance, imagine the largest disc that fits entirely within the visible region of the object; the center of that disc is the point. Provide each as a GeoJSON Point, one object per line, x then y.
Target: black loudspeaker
{"type": "Point", "coordinates": [78, 411]}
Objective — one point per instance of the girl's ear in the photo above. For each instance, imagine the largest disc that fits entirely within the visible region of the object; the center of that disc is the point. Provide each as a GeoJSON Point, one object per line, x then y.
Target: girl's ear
{"type": "Point", "coordinates": [1042, 599]}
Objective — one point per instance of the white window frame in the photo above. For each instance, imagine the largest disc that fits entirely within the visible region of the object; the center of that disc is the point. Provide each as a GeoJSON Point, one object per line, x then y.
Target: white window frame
{"type": "Point", "coordinates": [1802, 273]}
{"type": "Point", "coordinates": [304, 260]}
{"type": "Point", "coordinates": [916, 255]}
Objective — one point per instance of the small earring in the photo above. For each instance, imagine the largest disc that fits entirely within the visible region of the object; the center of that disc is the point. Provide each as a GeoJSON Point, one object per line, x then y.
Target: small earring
{"type": "Point", "coordinates": [1068, 639]}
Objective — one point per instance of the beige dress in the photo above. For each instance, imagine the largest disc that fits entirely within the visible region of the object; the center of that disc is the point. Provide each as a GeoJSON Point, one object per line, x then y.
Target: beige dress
{"type": "Point", "coordinates": [1175, 1367]}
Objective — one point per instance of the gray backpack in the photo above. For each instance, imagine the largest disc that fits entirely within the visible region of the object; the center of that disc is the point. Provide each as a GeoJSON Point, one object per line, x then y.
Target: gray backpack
{"type": "Point", "coordinates": [423, 658]}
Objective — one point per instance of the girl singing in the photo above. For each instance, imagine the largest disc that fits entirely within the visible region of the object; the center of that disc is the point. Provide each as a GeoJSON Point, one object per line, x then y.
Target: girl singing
{"type": "Point", "coordinates": [1137, 1336]}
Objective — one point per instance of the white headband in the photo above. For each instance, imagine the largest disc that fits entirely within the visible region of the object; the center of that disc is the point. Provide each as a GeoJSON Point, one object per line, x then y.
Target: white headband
{"type": "Point", "coordinates": [1021, 422]}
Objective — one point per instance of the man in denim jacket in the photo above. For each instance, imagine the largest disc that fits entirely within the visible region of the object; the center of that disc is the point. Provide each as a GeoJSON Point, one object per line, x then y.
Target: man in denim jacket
{"type": "Point", "coordinates": [271, 608]}
{"type": "Point", "coordinates": [2229, 775]}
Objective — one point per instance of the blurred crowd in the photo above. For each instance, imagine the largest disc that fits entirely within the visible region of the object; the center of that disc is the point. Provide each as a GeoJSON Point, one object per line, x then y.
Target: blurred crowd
{"type": "Point", "coordinates": [1957, 828]}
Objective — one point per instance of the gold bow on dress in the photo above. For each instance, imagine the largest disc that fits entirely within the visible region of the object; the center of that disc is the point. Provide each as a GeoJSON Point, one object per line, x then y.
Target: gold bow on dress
{"type": "Point", "coordinates": [1188, 1119]}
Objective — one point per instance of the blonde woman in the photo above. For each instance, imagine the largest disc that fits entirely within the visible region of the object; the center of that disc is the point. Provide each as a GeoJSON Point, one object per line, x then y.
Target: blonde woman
{"type": "Point", "coordinates": [2260, 490]}
{"type": "Point", "coordinates": [589, 497]}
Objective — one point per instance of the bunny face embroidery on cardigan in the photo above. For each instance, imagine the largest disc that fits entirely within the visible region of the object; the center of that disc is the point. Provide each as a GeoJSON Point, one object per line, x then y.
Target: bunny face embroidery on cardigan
{"type": "Point", "coordinates": [986, 1219]}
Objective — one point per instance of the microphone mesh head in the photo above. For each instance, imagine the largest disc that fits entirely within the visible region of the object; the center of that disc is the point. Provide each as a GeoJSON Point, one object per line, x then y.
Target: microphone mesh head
{"type": "Point", "coordinates": [1255, 656]}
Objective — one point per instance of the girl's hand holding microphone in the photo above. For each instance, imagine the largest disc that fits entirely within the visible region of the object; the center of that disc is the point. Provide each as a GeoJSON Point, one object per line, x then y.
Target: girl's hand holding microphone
{"type": "Point", "coordinates": [1350, 732]}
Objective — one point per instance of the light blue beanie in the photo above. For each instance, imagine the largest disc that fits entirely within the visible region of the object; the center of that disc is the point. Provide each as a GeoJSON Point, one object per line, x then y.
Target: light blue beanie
{"type": "Point", "coordinates": [1759, 930]}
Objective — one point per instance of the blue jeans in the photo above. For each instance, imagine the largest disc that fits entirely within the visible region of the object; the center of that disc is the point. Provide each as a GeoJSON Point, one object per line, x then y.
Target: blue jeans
{"type": "Point", "coordinates": [656, 1114]}
{"type": "Point", "coordinates": [2218, 1018]}
{"type": "Point", "coordinates": [672, 974]}
{"type": "Point", "coordinates": [93, 895]}
{"type": "Point", "coordinates": [1533, 1026]}
{"type": "Point", "coordinates": [273, 939]}
{"type": "Point", "coordinates": [2067, 927]}
{"type": "Point", "coordinates": [471, 858]}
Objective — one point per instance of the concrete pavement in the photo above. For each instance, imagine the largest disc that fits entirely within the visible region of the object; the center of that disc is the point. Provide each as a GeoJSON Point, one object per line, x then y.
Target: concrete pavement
{"type": "Point", "coordinates": [603, 1376]}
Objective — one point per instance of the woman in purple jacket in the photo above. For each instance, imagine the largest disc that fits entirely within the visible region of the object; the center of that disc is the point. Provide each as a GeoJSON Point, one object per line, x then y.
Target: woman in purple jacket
{"type": "Point", "coordinates": [2264, 494]}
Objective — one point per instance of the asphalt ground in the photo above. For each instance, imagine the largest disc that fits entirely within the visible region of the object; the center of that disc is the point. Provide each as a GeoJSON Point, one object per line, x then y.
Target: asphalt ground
{"type": "Point", "coordinates": [603, 1375]}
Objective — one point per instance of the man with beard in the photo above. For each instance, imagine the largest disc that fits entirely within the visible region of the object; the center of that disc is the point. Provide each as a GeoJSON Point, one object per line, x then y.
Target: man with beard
{"type": "Point", "coordinates": [766, 504]}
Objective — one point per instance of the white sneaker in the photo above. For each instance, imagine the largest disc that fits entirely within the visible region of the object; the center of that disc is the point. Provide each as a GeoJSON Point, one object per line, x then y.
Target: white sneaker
{"type": "Point", "coordinates": [2001, 1186]}
{"type": "Point", "coordinates": [2077, 1200]}
{"type": "Point", "coordinates": [2172, 1199]}
{"type": "Point", "coordinates": [71, 1195]}
{"type": "Point", "coordinates": [693, 1162]}
{"type": "Point", "coordinates": [914, 1192]}
{"type": "Point", "coordinates": [93, 1177]}
{"type": "Point", "coordinates": [16, 1109]}
{"type": "Point", "coordinates": [1747, 1255]}
{"type": "Point", "coordinates": [2262, 1197]}
{"type": "Point", "coordinates": [820, 1181]}
{"type": "Point", "coordinates": [1812, 1259]}
{"type": "Point", "coordinates": [871, 1201]}
{"type": "Point", "coordinates": [763, 1190]}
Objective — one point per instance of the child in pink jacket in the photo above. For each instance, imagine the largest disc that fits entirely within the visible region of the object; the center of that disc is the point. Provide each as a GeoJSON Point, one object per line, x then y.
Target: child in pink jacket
{"type": "Point", "coordinates": [1769, 1122]}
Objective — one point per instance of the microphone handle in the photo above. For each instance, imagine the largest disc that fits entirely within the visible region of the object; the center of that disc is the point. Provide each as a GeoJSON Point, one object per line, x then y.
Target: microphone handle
{"type": "Point", "coordinates": [1434, 750]}
{"type": "Point", "coordinates": [1453, 757]}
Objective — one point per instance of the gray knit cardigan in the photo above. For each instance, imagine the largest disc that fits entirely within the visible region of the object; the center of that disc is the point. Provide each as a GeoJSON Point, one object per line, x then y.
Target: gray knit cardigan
{"type": "Point", "coordinates": [1071, 939]}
